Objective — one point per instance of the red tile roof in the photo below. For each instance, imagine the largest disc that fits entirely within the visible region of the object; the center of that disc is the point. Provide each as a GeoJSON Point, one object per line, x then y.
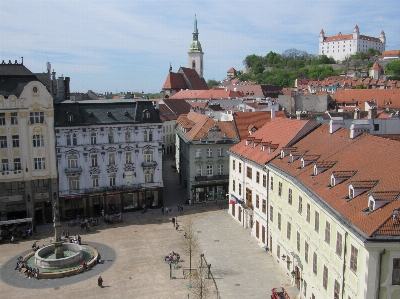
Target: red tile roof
{"type": "Point", "coordinates": [175, 81]}
{"type": "Point", "coordinates": [171, 109]}
{"type": "Point", "coordinates": [254, 119]}
{"type": "Point", "coordinates": [192, 79]}
{"type": "Point", "coordinates": [273, 136]}
{"type": "Point", "coordinates": [199, 124]}
{"type": "Point", "coordinates": [356, 158]}
{"type": "Point", "coordinates": [187, 94]}
{"type": "Point", "coordinates": [382, 97]}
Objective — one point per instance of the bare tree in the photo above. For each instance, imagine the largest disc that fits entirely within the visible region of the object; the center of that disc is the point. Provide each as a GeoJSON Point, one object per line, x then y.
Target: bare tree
{"type": "Point", "coordinates": [190, 243]}
{"type": "Point", "coordinates": [201, 285]}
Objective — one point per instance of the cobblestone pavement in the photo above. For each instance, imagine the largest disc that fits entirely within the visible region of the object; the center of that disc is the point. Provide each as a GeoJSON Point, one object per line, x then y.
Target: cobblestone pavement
{"type": "Point", "coordinates": [134, 253]}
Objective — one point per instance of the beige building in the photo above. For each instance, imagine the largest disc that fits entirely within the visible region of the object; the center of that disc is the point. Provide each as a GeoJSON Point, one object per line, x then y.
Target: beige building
{"type": "Point", "coordinates": [28, 177]}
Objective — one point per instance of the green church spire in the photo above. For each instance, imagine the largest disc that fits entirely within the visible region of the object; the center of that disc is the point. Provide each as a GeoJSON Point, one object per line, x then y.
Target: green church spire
{"type": "Point", "coordinates": [195, 45]}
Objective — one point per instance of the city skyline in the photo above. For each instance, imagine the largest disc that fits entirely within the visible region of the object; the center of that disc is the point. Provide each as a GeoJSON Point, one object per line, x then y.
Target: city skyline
{"type": "Point", "coordinates": [129, 45]}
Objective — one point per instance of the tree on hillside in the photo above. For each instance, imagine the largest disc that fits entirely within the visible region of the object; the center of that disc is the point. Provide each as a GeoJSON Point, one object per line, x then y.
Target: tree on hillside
{"type": "Point", "coordinates": [251, 60]}
{"type": "Point", "coordinates": [373, 52]}
{"type": "Point", "coordinates": [212, 82]}
{"type": "Point", "coordinates": [394, 66]}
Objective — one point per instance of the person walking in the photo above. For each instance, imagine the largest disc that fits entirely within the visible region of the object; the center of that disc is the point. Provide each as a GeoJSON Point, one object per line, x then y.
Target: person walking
{"type": "Point", "coordinates": [162, 210]}
{"type": "Point", "coordinates": [173, 221]}
{"type": "Point", "coordinates": [100, 281]}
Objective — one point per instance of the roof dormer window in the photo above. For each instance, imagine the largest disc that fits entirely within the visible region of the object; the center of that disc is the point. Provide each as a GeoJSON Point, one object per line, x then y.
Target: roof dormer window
{"type": "Point", "coordinates": [70, 117]}
{"type": "Point", "coordinates": [371, 205]}
{"type": "Point", "coordinates": [339, 176]}
{"type": "Point", "coordinates": [358, 187]}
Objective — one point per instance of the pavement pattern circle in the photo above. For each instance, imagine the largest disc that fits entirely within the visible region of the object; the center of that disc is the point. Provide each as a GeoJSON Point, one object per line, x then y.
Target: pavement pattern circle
{"type": "Point", "coordinates": [9, 275]}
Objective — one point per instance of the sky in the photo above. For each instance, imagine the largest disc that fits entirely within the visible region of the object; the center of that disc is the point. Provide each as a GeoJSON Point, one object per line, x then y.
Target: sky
{"type": "Point", "coordinates": [119, 46]}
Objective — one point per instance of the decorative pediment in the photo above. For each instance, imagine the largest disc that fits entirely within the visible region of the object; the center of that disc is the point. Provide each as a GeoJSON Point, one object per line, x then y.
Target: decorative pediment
{"type": "Point", "coordinates": [198, 162]}
{"type": "Point", "coordinates": [220, 161]}
{"type": "Point", "coordinates": [111, 149]}
{"type": "Point", "coordinates": [129, 148]}
{"type": "Point", "coordinates": [112, 169]}
{"type": "Point", "coordinates": [73, 171]}
{"type": "Point", "coordinates": [129, 167]}
{"type": "Point", "coordinates": [71, 152]}
{"type": "Point", "coordinates": [95, 170]}
{"type": "Point", "coordinates": [94, 150]}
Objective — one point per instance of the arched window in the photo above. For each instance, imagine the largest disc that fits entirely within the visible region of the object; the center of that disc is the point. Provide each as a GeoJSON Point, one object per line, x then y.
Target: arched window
{"type": "Point", "coordinates": [147, 114]}
{"type": "Point", "coordinates": [193, 64]}
{"type": "Point", "coordinates": [148, 156]}
{"type": "Point", "coordinates": [69, 141]}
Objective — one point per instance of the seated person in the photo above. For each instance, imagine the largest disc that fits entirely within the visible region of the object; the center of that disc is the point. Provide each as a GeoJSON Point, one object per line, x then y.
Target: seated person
{"type": "Point", "coordinates": [12, 239]}
{"type": "Point", "coordinates": [84, 265]}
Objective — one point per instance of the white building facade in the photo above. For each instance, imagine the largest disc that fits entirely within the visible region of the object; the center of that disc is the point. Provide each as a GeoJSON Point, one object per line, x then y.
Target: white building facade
{"type": "Point", "coordinates": [343, 45]}
{"type": "Point", "coordinates": [109, 156]}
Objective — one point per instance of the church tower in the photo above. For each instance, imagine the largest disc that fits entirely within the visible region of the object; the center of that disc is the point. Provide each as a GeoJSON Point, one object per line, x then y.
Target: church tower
{"type": "Point", "coordinates": [195, 54]}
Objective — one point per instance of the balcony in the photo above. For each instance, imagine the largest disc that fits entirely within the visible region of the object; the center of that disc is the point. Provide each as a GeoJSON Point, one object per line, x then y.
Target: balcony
{"type": "Point", "coordinates": [100, 190]}
{"type": "Point", "coordinates": [73, 170]}
{"type": "Point", "coordinates": [201, 178]}
{"type": "Point", "coordinates": [149, 164]}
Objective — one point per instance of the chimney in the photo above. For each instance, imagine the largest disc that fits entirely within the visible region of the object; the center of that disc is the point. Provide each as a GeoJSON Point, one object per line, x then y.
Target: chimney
{"type": "Point", "coordinates": [372, 112]}
{"type": "Point", "coordinates": [335, 124]}
{"type": "Point", "coordinates": [272, 113]}
{"type": "Point", "coordinates": [357, 113]}
{"type": "Point", "coordinates": [358, 127]}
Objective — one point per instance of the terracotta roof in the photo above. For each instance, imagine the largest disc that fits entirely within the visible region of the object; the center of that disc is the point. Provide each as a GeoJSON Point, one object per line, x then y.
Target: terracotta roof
{"type": "Point", "coordinates": [350, 155]}
{"type": "Point", "coordinates": [384, 98]}
{"type": "Point", "coordinates": [338, 37]}
{"type": "Point", "coordinates": [376, 66]}
{"type": "Point", "coordinates": [192, 79]}
{"type": "Point", "coordinates": [199, 125]}
{"type": "Point", "coordinates": [257, 90]}
{"type": "Point", "coordinates": [231, 70]}
{"type": "Point", "coordinates": [363, 184]}
{"type": "Point", "coordinates": [273, 136]}
{"type": "Point", "coordinates": [187, 94]}
{"type": "Point", "coordinates": [219, 94]}
{"type": "Point", "coordinates": [175, 81]}
{"type": "Point", "coordinates": [390, 53]}
{"type": "Point", "coordinates": [171, 109]}
{"type": "Point", "coordinates": [257, 119]}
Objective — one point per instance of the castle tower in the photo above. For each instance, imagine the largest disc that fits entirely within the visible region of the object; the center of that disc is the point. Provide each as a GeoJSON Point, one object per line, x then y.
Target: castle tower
{"type": "Point", "coordinates": [195, 54]}
{"type": "Point", "coordinates": [382, 37]}
{"type": "Point", "coordinates": [356, 32]}
{"type": "Point", "coordinates": [321, 36]}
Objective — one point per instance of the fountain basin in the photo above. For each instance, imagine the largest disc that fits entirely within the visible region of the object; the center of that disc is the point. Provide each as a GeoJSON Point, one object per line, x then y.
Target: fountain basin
{"type": "Point", "coordinates": [43, 256]}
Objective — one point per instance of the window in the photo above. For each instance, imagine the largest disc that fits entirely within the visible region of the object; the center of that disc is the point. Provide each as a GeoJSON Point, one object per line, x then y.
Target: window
{"type": "Point", "coordinates": [264, 206]}
{"type": "Point", "coordinates": [73, 161]}
{"type": "Point", "coordinates": [93, 138]}
{"type": "Point", "coordinates": [249, 172]}
{"type": "Point", "coordinates": [3, 141]}
{"type": "Point", "coordinates": [280, 189]}
{"type": "Point", "coordinates": [93, 158]}
{"type": "Point", "coordinates": [257, 201]}
{"type": "Point", "coordinates": [200, 173]}
{"type": "Point", "coordinates": [278, 251]}
{"type": "Point", "coordinates": [148, 156]}
{"type": "Point", "coordinates": [2, 119]}
{"type": "Point", "coordinates": [220, 169]}
{"type": "Point", "coordinates": [111, 158]}
{"type": "Point", "coordinates": [264, 181]}
{"type": "Point", "coordinates": [74, 139]}
{"type": "Point", "coordinates": [298, 241]}
{"type": "Point", "coordinates": [249, 197]}
{"type": "Point", "coordinates": [69, 140]}
{"type": "Point", "coordinates": [198, 153]}
{"type": "Point", "coordinates": [128, 157]}
{"type": "Point", "coordinates": [233, 185]}
{"type": "Point", "coordinates": [325, 278]}
{"type": "Point", "coordinates": [316, 222]}
{"type": "Point", "coordinates": [257, 177]}
{"type": "Point", "coordinates": [305, 288]}
{"type": "Point", "coordinates": [336, 290]}
{"type": "Point", "coordinates": [4, 164]}
{"type": "Point", "coordinates": [240, 167]}
{"type": "Point", "coordinates": [272, 183]}
{"type": "Point", "coordinates": [73, 183]}
{"type": "Point", "coordinates": [15, 140]}
{"type": "Point", "coordinates": [112, 180]}
{"type": "Point", "coordinates": [14, 118]}
{"type": "Point", "coordinates": [289, 230]}
{"type": "Point", "coordinates": [150, 135]}
{"type": "Point", "coordinates": [315, 265]}
{"type": "Point", "coordinates": [209, 170]}
{"type": "Point", "coordinates": [39, 163]}
{"type": "Point", "coordinates": [17, 164]}
{"type": "Point", "coordinates": [353, 258]}
{"type": "Point", "coordinates": [209, 152]}
{"type": "Point", "coordinates": [233, 165]}
{"type": "Point", "coordinates": [145, 136]}
{"type": "Point", "coordinates": [290, 196]}
{"type": "Point", "coordinates": [396, 272]}
{"type": "Point", "coordinates": [36, 117]}
{"type": "Point", "coordinates": [95, 181]}
{"type": "Point", "coordinates": [279, 221]}
{"type": "Point", "coordinates": [148, 176]}
{"type": "Point", "coordinates": [127, 136]}
{"type": "Point", "coordinates": [219, 152]}
{"type": "Point", "coordinates": [240, 189]}
{"type": "Point", "coordinates": [300, 210]}
{"type": "Point", "coordinates": [308, 213]}
{"type": "Point", "coordinates": [328, 232]}
{"type": "Point", "coordinates": [38, 141]}
{"type": "Point", "coordinates": [338, 244]}
{"type": "Point", "coordinates": [271, 213]}
{"type": "Point", "coordinates": [110, 137]}
{"type": "Point", "coordinates": [306, 251]}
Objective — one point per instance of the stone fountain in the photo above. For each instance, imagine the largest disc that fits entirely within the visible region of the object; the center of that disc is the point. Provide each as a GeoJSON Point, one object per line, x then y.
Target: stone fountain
{"type": "Point", "coordinates": [58, 243]}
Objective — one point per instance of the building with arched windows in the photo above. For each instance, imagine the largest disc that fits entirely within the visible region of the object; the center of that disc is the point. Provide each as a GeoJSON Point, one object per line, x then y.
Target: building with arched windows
{"type": "Point", "coordinates": [109, 156]}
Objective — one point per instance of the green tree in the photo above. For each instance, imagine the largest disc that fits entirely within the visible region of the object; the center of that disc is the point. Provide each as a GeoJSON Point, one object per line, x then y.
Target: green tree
{"type": "Point", "coordinates": [360, 86]}
{"type": "Point", "coordinates": [251, 60]}
{"type": "Point", "coordinates": [394, 66]}
{"type": "Point", "coordinates": [373, 52]}
{"type": "Point", "coordinates": [212, 82]}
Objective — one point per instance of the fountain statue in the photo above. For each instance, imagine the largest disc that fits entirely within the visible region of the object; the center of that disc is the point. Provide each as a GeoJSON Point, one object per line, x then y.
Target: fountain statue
{"type": "Point", "coordinates": [58, 251]}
